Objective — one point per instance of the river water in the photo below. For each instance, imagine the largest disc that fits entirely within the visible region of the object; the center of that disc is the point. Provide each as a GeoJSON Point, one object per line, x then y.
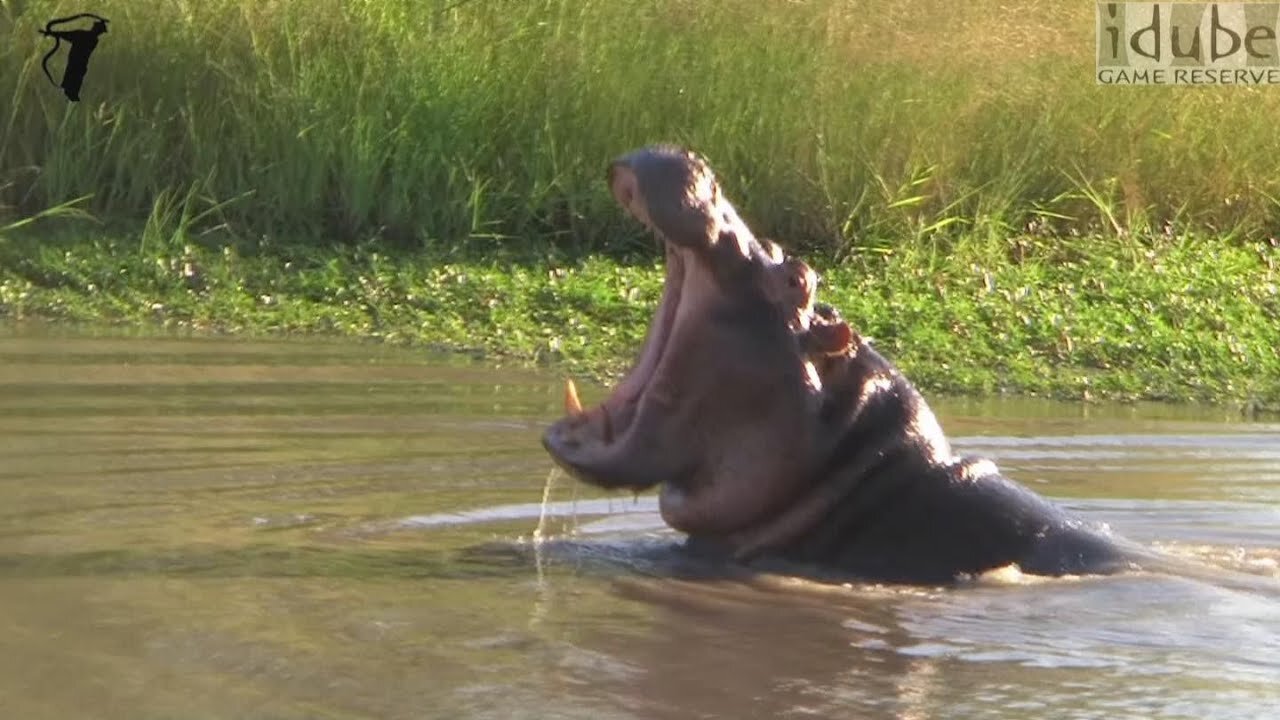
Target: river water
{"type": "Point", "coordinates": [224, 528]}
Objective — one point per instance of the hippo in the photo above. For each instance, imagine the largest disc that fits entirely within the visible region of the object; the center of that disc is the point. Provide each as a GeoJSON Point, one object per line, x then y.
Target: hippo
{"type": "Point", "coordinates": [779, 436]}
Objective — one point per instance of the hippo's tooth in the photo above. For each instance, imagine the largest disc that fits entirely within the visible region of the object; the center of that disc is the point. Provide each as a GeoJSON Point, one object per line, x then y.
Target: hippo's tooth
{"type": "Point", "coordinates": [572, 405]}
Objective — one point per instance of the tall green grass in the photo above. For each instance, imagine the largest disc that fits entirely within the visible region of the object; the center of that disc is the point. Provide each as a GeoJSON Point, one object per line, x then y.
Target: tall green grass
{"type": "Point", "coordinates": [839, 125]}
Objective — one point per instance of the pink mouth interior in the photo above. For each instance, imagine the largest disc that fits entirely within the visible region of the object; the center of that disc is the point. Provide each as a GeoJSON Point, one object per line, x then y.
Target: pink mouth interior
{"type": "Point", "coordinates": [614, 416]}
{"type": "Point", "coordinates": [633, 385]}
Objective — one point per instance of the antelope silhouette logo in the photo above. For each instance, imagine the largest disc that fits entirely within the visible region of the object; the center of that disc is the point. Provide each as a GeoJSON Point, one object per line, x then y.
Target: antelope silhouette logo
{"type": "Point", "coordinates": [82, 43]}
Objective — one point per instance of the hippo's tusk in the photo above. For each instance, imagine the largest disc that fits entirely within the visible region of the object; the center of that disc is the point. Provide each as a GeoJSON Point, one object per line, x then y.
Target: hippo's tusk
{"type": "Point", "coordinates": [572, 405]}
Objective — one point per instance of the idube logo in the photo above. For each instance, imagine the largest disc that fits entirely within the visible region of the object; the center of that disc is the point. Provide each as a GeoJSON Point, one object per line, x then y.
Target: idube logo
{"type": "Point", "coordinates": [1146, 43]}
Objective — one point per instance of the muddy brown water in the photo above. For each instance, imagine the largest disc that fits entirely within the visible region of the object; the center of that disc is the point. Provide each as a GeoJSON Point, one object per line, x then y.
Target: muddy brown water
{"type": "Point", "coordinates": [222, 528]}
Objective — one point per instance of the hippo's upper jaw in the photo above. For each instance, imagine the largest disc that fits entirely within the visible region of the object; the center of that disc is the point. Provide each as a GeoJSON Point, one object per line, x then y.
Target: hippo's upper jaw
{"type": "Point", "coordinates": [719, 405]}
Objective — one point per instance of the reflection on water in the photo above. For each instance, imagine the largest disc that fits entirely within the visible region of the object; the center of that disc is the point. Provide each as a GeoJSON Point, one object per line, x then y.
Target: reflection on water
{"type": "Point", "coordinates": [217, 528]}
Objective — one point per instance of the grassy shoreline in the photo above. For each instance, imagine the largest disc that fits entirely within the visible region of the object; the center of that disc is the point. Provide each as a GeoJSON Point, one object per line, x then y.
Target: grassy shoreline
{"type": "Point", "coordinates": [1154, 323]}
{"type": "Point", "coordinates": [430, 171]}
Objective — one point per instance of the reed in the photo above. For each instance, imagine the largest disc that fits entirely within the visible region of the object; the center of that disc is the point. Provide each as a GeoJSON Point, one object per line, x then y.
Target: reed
{"type": "Point", "coordinates": [841, 125]}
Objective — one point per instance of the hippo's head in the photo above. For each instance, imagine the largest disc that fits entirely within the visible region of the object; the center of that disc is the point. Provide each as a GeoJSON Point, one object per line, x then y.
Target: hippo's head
{"type": "Point", "coordinates": [722, 404]}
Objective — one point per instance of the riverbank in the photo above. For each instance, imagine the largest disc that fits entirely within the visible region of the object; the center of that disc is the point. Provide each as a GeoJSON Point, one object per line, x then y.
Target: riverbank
{"type": "Point", "coordinates": [1180, 318]}
{"type": "Point", "coordinates": [431, 173]}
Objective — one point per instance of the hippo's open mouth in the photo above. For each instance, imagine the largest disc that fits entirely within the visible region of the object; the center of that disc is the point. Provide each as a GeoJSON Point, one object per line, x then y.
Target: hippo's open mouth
{"type": "Point", "coordinates": [720, 398]}
{"type": "Point", "coordinates": [604, 445]}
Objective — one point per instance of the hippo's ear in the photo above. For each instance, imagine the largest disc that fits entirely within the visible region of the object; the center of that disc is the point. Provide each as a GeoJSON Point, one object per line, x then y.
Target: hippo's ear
{"type": "Point", "coordinates": [827, 338]}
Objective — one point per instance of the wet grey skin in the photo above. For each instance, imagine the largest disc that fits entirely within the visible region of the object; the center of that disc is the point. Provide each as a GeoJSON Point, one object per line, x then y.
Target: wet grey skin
{"type": "Point", "coordinates": [781, 438]}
